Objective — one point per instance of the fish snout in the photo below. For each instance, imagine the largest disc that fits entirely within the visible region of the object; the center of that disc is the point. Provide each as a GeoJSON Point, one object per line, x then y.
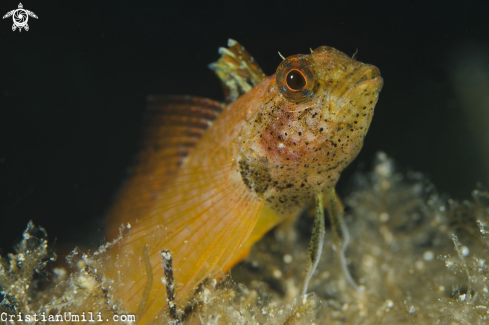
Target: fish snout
{"type": "Point", "coordinates": [355, 95]}
{"type": "Point", "coordinates": [368, 73]}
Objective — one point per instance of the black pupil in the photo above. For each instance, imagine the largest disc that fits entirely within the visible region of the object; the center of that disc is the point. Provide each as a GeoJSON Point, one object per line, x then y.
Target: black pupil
{"type": "Point", "coordinates": [295, 80]}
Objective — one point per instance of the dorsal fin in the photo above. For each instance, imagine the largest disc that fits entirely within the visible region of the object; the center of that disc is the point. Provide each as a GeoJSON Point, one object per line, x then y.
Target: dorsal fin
{"type": "Point", "coordinates": [174, 125]}
{"type": "Point", "coordinates": [237, 70]}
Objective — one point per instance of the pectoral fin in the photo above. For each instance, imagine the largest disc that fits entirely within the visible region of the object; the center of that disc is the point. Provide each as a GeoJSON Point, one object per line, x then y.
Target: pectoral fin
{"type": "Point", "coordinates": [203, 218]}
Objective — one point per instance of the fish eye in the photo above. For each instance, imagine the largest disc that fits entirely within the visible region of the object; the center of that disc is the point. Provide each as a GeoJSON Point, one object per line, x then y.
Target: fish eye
{"type": "Point", "coordinates": [296, 80]}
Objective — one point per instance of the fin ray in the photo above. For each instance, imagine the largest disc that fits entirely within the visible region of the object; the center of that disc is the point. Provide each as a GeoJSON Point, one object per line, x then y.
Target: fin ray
{"type": "Point", "coordinates": [237, 70]}
{"type": "Point", "coordinates": [203, 228]}
{"type": "Point", "coordinates": [174, 125]}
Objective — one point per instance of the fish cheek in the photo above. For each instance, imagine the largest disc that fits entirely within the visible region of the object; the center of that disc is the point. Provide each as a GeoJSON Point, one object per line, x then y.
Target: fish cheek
{"type": "Point", "coordinates": [362, 100]}
{"type": "Point", "coordinates": [352, 125]}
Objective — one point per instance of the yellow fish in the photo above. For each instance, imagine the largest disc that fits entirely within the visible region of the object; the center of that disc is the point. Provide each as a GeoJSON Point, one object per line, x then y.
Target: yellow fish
{"type": "Point", "coordinates": [213, 178]}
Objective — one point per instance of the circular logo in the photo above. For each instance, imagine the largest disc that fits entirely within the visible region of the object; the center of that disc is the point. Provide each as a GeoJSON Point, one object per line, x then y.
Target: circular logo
{"type": "Point", "coordinates": [20, 17]}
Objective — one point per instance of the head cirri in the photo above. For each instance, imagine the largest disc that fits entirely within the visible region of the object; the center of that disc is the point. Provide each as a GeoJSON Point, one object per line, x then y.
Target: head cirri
{"type": "Point", "coordinates": [311, 125]}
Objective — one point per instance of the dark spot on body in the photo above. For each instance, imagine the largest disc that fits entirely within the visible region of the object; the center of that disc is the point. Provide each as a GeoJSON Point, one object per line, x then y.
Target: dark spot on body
{"type": "Point", "coordinates": [256, 179]}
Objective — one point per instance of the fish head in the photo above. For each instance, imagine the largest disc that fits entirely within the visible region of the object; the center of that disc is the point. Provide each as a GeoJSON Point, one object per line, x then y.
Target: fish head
{"type": "Point", "coordinates": [340, 89]}
{"type": "Point", "coordinates": [310, 126]}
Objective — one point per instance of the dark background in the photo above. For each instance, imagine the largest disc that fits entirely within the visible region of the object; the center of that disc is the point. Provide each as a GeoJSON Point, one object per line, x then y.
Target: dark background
{"type": "Point", "coordinates": [73, 89]}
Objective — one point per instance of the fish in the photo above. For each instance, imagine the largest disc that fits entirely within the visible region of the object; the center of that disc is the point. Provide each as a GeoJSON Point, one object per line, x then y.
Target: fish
{"type": "Point", "coordinates": [213, 177]}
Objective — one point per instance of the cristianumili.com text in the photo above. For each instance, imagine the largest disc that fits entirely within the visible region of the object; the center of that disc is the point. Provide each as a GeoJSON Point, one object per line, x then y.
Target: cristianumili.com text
{"type": "Point", "coordinates": [64, 317]}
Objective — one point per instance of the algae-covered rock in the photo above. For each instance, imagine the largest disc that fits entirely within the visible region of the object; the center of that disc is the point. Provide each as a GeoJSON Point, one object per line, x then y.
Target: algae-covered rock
{"type": "Point", "coordinates": [416, 256]}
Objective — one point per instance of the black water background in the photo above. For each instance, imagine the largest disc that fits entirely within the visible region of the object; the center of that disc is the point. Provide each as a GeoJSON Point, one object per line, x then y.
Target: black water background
{"type": "Point", "coordinates": [73, 89]}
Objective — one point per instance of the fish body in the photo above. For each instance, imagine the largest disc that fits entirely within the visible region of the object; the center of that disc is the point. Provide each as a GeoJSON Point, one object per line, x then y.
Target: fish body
{"type": "Point", "coordinates": [210, 183]}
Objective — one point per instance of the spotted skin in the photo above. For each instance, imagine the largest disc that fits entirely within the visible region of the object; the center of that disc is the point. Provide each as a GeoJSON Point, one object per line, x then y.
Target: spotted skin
{"type": "Point", "coordinates": [212, 179]}
{"type": "Point", "coordinates": [292, 149]}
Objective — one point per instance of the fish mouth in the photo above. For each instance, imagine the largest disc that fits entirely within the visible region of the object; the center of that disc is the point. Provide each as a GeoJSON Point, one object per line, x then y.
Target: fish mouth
{"type": "Point", "coordinates": [362, 84]}
{"type": "Point", "coordinates": [367, 73]}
